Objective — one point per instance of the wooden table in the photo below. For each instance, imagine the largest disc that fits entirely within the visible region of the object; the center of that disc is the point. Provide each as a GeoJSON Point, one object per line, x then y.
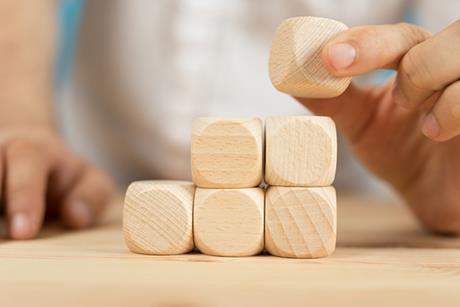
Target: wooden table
{"type": "Point", "coordinates": [382, 259]}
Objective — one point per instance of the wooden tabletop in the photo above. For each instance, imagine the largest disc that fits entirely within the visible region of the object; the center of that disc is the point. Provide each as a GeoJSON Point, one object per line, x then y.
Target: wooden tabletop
{"type": "Point", "coordinates": [382, 259]}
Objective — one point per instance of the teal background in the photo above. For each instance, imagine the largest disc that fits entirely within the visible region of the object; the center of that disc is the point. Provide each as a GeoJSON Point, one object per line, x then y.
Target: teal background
{"type": "Point", "coordinates": [69, 12]}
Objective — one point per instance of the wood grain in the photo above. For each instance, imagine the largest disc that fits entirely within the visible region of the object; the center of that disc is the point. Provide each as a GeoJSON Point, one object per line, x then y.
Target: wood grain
{"type": "Point", "coordinates": [295, 62]}
{"type": "Point", "coordinates": [382, 258]}
{"type": "Point", "coordinates": [300, 222]}
{"type": "Point", "coordinates": [158, 217]}
{"type": "Point", "coordinates": [227, 152]}
{"type": "Point", "coordinates": [229, 222]}
{"type": "Point", "coordinates": [300, 151]}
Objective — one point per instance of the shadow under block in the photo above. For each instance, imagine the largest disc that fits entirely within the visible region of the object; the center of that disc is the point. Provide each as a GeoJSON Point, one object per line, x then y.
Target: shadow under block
{"type": "Point", "coordinates": [295, 65]}
{"type": "Point", "coordinates": [227, 153]}
{"type": "Point", "coordinates": [158, 217]}
{"type": "Point", "coordinates": [300, 222]}
{"type": "Point", "coordinates": [229, 222]}
{"type": "Point", "coordinates": [300, 151]}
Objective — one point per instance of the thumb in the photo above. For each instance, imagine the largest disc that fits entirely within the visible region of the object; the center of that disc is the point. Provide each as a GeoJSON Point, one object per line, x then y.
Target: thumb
{"type": "Point", "coordinates": [366, 48]}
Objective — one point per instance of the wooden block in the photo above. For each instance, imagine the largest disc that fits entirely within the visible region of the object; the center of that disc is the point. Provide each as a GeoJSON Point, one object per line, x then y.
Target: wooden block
{"type": "Point", "coordinates": [300, 151]}
{"type": "Point", "coordinates": [295, 64]}
{"type": "Point", "coordinates": [300, 222]}
{"type": "Point", "coordinates": [229, 222]}
{"type": "Point", "coordinates": [227, 152]}
{"type": "Point", "coordinates": [158, 217]}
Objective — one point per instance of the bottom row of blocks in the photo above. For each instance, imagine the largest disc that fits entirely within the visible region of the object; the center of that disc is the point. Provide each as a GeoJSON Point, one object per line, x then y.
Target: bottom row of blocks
{"type": "Point", "coordinates": [174, 217]}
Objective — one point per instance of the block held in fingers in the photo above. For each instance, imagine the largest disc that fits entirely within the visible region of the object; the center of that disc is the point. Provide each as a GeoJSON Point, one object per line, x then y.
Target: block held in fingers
{"type": "Point", "coordinates": [295, 64]}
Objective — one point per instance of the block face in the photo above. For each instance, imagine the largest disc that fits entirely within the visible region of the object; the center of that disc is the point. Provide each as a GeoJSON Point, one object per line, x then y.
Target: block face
{"type": "Point", "coordinates": [229, 222]}
{"type": "Point", "coordinates": [300, 222]}
{"type": "Point", "coordinates": [158, 217]}
{"type": "Point", "coordinates": [300, 151]}
{"type": "Point", "coordinates": [227, 153]}
{"type": "Point", "coordinates": [295, 62]}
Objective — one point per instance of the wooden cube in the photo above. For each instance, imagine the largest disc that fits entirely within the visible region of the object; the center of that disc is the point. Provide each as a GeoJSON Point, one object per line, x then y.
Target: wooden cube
{"type": "Point", "coordinates": [158, 217]}
{"type": "Point", "coordinates": [227, 152]}
{"type": "Point", "coordinates": [296, 67]}
{"type": "Point", "coordinates": [300, 151]}
{"type": "Point", "coordinates": [300, 222]}
{"type": "Point", "coordinates": [229, 222]}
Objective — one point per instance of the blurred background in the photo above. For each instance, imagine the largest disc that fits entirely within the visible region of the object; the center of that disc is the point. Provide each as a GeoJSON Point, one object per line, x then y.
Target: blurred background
{"type": "Point", "coordinates": [132, 75]}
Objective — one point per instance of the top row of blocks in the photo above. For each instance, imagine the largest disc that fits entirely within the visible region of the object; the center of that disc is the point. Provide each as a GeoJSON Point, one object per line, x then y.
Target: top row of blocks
{"type": "Point", "coordinates": [228, 153]}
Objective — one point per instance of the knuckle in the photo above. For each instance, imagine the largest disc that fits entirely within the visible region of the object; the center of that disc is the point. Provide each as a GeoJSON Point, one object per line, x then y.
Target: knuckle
{"type": "Point", "coordinates": [412, 33]}
{"type": "Point", "coordinates": [19, 147]}
{"type": "Point", "coordinates": [416, 69]}
{"type": "Point", "coordinates": [22, 148]}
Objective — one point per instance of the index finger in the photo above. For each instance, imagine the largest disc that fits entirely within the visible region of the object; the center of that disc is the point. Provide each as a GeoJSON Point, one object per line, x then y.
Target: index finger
{"type": "Point", "coordinates": [429, 67]}
{"type": "Point", "coordinates": [25, 189]}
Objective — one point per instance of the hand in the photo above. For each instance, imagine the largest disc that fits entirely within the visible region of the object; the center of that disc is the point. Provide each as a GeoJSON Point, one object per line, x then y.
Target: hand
{"type": "Point", "coordinates": [38, 173]}
{"type": "Point", "coordinates": [405, 132]}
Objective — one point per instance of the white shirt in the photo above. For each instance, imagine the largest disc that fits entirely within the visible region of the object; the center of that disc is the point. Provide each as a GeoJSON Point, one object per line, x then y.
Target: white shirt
{"type": "Point", "coordinates": [145, 69]}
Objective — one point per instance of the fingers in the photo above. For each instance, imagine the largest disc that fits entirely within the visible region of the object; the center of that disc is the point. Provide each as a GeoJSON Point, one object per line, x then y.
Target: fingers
{"type": "Point", "coordinates": [36, 175]}
{"type": "Point", "coordinates": [25, 188]}
{"type": "Point", "coordinates": [429, 67]}
{"type": "Point", "coordinates": [66, 171]}
{"type": "Point", "coordinates": [86, 200]}
{"type": "Point", "coordinates": [1, 180]}
{"type": "Point", "coordinates": [366, 48]}
{"type": "Point", "coordinates": [351, 111]}
{"type": "Point", "coordinates": [443, 123]}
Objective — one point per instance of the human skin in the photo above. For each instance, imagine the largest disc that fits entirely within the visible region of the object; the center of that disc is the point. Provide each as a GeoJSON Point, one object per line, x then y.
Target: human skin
{"type": "Point", "coordinates": [37, 171]}
{"type": "Point", "coordinates": [405, 131]}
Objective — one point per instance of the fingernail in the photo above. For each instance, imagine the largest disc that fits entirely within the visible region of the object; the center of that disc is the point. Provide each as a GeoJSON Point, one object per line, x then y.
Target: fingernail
{"type": "Point", "coordinates": [20, 227]}
{"type": "Point", "coordinates": [341, 55]}
{"type": "Point", "coordinates": [430, 126]}
{"type": "Point", "coordinates": [80, 214]}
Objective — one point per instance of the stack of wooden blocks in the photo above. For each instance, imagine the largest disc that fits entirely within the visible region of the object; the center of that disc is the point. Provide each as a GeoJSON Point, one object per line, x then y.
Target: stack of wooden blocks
{"type": "Point", "coordinates": [227, 210]}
